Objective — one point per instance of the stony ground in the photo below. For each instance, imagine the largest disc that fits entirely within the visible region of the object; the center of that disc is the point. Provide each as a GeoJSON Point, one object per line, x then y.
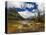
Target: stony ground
{"type": "Point", "coordinates": [24, 26]}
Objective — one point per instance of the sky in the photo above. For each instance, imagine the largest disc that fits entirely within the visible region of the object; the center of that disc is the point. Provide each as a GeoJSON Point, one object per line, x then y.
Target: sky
{"type": "Point", "coordinates": [18, 4]}
{"type": "Point", "coordinates": [27, 10]}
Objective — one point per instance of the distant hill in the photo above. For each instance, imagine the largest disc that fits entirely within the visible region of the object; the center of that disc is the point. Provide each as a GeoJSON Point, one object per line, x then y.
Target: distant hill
{"type": "Point", "coordinates": [13, 15]}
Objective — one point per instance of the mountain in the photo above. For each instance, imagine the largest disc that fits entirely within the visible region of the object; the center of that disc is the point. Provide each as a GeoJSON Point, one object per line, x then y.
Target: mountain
{"type": "Point", "coordinates": [12, 14]}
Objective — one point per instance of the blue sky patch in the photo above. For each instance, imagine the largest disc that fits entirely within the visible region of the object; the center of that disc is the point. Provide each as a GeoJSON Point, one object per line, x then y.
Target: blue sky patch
{"type": "Point", "coordinates": [28, 8]}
